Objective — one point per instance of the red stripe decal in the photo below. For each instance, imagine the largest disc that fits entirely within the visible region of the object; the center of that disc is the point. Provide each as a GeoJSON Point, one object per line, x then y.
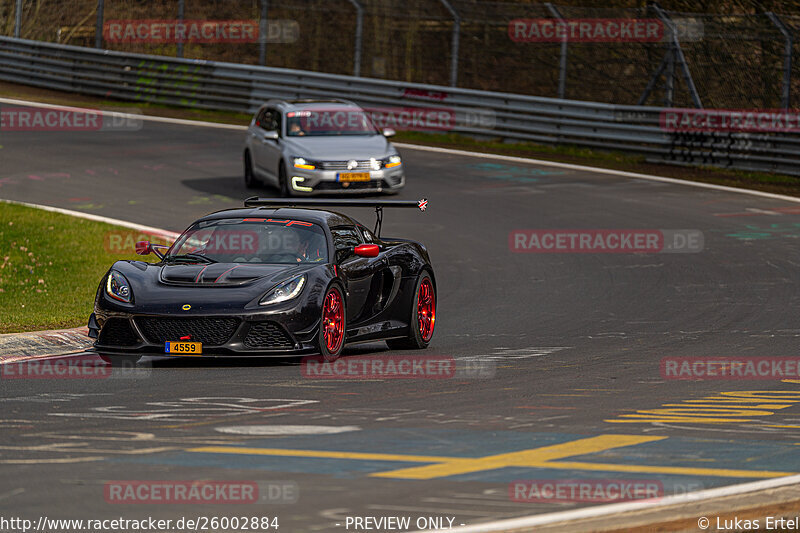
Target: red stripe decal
{"type": "Point", "coordinates": [199, 274]}
{"type": "Point", "coordinates": [233, 268]}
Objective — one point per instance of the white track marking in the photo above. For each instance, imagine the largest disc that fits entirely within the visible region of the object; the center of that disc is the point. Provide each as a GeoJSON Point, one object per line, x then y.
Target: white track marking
{"type": "Point", "coordinates": [285, 430]}
{"type": "Point", "coordinates": [596, 170]}
{"type": "Point", "coordinates": [149, 118]}
{"type": "Point", "coordinates": [626, 507]}
{"type": "Point", "coordinates": [96, 218]}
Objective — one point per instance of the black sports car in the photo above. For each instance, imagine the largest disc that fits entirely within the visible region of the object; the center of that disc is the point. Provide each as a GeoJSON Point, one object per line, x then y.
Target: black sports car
{"type": "Point", "coordinates": [277, 277]}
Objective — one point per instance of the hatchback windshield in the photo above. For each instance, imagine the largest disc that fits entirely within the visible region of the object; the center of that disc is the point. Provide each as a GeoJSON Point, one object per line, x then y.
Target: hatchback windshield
{"type": "Point", "coordinates": [251, 240]}
{"type": "Point", "coordinates": [329, 121]}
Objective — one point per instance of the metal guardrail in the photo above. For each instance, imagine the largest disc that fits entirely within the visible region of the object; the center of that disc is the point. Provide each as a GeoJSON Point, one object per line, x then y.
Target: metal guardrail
{"type": "Point", "coordinates": [237, 87]}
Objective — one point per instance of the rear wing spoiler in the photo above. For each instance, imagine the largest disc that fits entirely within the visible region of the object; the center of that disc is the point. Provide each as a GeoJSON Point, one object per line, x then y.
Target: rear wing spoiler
{"type": "Point", "coordinates": [312, 203]}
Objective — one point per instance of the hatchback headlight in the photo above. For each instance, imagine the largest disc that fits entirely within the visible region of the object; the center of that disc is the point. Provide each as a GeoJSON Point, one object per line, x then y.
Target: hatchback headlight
{"type": "Point", "coordinates": [305, 164]}
{"type": "Point", "coordinates": [392, 161]}
{"type": "Point", "coordinates": [118, 287]}
{"type": "Point", "coordinates": [285, 291]}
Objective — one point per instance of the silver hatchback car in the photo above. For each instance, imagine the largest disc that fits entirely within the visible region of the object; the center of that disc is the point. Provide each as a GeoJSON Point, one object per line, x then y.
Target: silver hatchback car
{"type": "Point", "coordinates": [307, 147]}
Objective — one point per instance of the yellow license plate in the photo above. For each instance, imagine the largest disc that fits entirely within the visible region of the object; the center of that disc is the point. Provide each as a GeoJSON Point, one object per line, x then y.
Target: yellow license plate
{"type": "Point", "coordinates": [184, 348]}
{"type": "Point", "coordinates": [353, 176]}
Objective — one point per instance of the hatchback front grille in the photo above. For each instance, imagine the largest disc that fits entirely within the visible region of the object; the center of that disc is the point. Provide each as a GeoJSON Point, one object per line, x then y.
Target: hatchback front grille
{"type": "Point", "coordinates": [342, 165]}
{"type": "Point", "coordinates": [353, 185]}
{"type": "Point", "coordinates": [117, 332]}
{"type": "Point", "coordinates": [212, 331]}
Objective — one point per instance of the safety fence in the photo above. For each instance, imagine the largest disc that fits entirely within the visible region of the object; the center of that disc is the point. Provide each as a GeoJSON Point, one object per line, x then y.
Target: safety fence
{"type": "Point", "coordinates": [735, 60]}
{"type": "Point", "coordinates": [763, 141]}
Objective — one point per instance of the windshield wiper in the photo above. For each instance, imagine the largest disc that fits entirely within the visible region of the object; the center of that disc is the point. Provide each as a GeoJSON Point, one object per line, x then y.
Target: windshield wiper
{"type": "Point", "coordinates": [194, 257]}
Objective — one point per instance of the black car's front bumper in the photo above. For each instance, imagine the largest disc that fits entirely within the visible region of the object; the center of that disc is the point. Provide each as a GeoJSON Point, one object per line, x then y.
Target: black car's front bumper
{"type": "Point", "coordinates": [221, 335]}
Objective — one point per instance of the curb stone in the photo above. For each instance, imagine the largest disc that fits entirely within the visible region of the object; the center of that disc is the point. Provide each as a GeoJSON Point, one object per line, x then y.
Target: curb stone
{"type": "Point", "coordinates": [39, 344]}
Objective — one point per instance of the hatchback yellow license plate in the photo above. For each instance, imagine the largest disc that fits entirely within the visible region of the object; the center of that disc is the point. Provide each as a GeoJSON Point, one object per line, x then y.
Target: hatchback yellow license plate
{"type": "Point", "coordinates": [184, 348]}
{"type": "Point", "coordinates": [354, 176]}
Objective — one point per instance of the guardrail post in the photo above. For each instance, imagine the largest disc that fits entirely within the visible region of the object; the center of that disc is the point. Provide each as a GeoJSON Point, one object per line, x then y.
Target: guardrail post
{"type": "Point", "coordinates": [454, 49]}
{"type": "Point", "coordinates": [98, 30]}
{"type": "Point", "coordinates": [669, 80]}
{"type": "Point", "coordinates": [17, 18]}
{"type": "Point", "coordinates": [676, 55]}
{"type": "Point", "coordinates": [359, 34]}
{"type": "Point", "coordinates": [562, 63]}
{"type": "Point", "coordinates": [180, 20]}
{"type": "Point", "coordinates": [787, 58]}
{"type": "Point", "coordinates": [262, 33]}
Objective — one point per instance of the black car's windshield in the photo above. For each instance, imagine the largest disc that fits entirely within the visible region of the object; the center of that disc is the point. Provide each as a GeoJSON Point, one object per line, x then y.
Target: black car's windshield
{"type": "Point", "coordinates": [251, 240]}
{"type": "Point", "coordinates": [324, 121]}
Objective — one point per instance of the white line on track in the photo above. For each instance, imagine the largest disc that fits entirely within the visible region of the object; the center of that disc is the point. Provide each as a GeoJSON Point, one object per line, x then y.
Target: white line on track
{"type": "Point", "coordinates": [150, 118]}
{"type": "Point", "coordinates": [596, 170]}
{"type": "Point", "coordinates": [626, 507]}
{"type": "Point", "coordinates": [528, 521]}
{"type": "Point", "coordinates": [96, 218]}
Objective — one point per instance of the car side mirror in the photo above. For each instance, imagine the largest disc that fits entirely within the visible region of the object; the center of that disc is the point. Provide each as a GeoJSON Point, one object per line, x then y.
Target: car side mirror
{"type": "Point", "coordinates": [367, 250]}
{"type": "Point", "coordinates": [144, 248]}
{"type": "Point", "coordinates": [271, 135]}
{"type": "Point", "coordinates": [389, 132]}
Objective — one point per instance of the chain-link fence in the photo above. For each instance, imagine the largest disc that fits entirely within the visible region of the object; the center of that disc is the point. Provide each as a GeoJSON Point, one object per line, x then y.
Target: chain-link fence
{"type": "Point", "coordinates": [739, 61]}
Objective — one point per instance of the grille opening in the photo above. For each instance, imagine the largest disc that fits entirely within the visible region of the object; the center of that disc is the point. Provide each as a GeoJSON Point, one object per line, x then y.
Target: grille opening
{"type": "Point", "coordinates": [267, 335]}
{"type": "Point", "coordinates": [211, 331]}
{"type": "Point", "coordinates": [117, 332]}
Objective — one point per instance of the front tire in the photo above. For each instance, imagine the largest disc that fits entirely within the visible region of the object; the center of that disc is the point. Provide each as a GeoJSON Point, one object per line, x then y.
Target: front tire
{"type": "Point", "coordinates": [250, 180]}
{"type": "Point", "coordinates": [423, 317]}
{"type": "Point", "coordinates": [283, 181]}
{"type": "Point", "coordinates": [333, 324]}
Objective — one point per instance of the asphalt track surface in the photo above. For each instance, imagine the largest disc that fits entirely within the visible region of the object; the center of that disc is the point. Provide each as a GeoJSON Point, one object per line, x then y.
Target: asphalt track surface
{"type": "Point", "coordinates": [575, 341]}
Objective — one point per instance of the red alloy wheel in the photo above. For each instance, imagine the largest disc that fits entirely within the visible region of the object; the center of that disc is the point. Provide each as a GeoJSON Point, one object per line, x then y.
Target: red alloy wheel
{"type": "Point", "coordinates": [333, 320]}
{"type": "Point", "coordinates": [426, 309]}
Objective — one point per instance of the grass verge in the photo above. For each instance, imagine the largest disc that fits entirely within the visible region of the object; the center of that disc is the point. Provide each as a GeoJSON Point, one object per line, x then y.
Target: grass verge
{"type": "Point", "coordinates": [50, 265]}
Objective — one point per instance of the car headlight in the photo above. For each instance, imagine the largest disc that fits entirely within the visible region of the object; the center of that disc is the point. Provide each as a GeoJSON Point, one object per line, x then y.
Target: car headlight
{"type": "Point", "coordinates": [392, 161]}
{"type": "Point", "coordinates": [285, 291]}
{"type": "Point", "coordinates": [118, 287]}
{"type": "Point", "coordinates": [300, 162]}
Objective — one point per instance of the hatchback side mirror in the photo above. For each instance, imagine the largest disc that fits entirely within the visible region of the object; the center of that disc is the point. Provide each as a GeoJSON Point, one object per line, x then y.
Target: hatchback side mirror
{"type": "Point", "coordinates": [389, 132]}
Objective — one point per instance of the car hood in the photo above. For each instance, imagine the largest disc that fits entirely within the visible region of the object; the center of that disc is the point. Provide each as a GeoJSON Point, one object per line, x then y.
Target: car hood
{"type": "Point", "coordinates": [158, 288]}
{"type": "Point", "coordinates": [226, 273]}
{"type": "Point", "coordinates": [340, 148]}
